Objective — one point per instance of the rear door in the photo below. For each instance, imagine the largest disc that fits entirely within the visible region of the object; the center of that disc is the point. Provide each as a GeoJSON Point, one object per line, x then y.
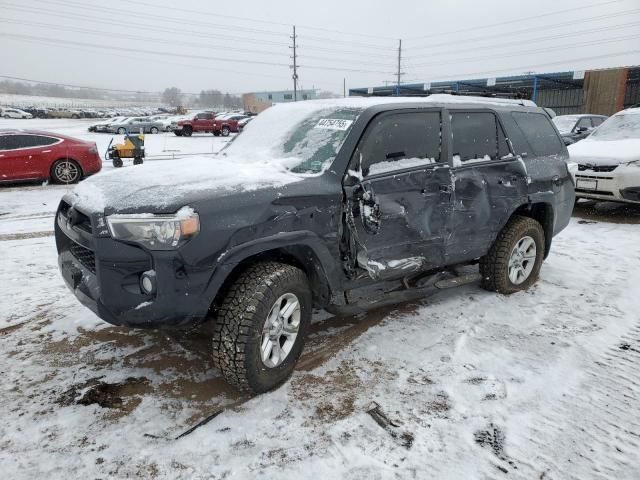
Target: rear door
{"type": "Point", "coordinates": [489, 182]}
{"type": "Point", "coordinates": [398, 197]}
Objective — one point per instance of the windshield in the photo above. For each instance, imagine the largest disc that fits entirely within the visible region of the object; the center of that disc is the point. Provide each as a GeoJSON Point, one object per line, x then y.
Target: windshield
{"type": "Point", "coordinates": [619, 127]}
{"type": "Point", "coordinates": [565, 123]}
{"type": "Point", "coordinates": [303, 137]}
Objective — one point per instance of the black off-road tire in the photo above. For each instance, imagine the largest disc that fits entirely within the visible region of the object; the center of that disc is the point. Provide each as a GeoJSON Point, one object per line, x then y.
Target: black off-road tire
{"type": "Point", "coordinates": [240, 320]}
{"type": "Point", "coordinates": [187, 131]}
{"type": "Point", "coordinates": [117, 162]}
{"type": "Point", "coordinates": [494, 266]}
{"type": "Point", "coordinates": [178, 133]}
{"type": "Point", "coordinates": [138, 161]}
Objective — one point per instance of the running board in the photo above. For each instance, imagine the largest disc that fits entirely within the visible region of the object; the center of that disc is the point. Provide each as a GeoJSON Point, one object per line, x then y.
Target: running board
{"type": "Point", "coordinates": [458, 280]}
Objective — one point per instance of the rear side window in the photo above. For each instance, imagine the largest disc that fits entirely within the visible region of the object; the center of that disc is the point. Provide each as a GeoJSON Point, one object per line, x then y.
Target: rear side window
{"type": "Point", "coordinates": [539, 133]}
{"type": "Point", "coordinates": [597, 121]}
{"type": "Point", "coordinates": [477, 136]}
{"type": "Point", "coordinates": [400, 140]}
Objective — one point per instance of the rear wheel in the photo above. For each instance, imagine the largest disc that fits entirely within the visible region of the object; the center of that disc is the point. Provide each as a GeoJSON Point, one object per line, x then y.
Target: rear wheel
{"type": "Point", "coordinates": [261, 326]}
{"type": "Point", "coordinates": [122, 131]}
{"type": "Point", "coordinates": [225, 131]}
{"type": "Point", "coordinates": [178, 133]}
{"type": "Point", "coordinates": [513, 262]}
{"type": "Point", "coordinates": [187, 131]}
{"type": "Point", "coordinates": [66, 171]}
{"type": "Point", "coordinates": [154, 130]}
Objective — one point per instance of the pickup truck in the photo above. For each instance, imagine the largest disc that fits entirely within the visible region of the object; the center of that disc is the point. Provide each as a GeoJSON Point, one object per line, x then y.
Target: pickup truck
{"type": "Point", "coordinates": [205, 122]}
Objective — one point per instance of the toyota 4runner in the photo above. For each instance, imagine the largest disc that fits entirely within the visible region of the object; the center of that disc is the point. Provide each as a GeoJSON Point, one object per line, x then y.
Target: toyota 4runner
{"type": "Point", "coordinates": [339, 205]}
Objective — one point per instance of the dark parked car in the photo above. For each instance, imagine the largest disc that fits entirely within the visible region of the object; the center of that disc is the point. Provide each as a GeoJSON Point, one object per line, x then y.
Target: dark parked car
{"type": "Point", "coordinates": [352, 203]}
{"type": "Point", "coordinates": [576, 127]}
{"type": "Point", "coordinates": [34, 155]}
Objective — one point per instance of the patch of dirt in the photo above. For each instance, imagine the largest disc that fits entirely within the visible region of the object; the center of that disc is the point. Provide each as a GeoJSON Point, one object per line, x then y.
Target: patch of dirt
{"type": "Point", "coordinates": [440, 404]}
{"type": "Point", "coordinates": [476, 380]}
{"type": "Point", "coordinates": [610, 212]}
{"type": "Point", "coordinates": [24, 236]}
{"type": "Point", "coordinates": [492, 438]}
{"type": "Point", "coordinates": [107, 395]}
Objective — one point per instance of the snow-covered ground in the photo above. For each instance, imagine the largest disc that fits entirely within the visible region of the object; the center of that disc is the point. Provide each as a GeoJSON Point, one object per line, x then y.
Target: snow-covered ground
{"type": "Point", "coordinates": [10, 99]}
{"type": "Point", "coordinates": [464, 384]}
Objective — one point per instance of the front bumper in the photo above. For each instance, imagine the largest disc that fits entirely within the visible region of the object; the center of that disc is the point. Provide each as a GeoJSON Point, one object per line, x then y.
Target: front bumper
{"type": "Point", "coordinates": [104, 274]}
{"type": "Point", "coordinates": [619, 184]}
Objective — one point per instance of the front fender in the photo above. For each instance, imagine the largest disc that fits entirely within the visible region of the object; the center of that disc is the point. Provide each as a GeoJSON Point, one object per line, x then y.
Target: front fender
{"type": "Point", "coordinates": [323, 262]}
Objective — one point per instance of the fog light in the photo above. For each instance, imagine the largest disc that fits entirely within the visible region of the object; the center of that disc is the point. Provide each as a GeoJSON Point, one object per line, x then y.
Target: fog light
{"type": "Point", "coordinates": [148, 282]}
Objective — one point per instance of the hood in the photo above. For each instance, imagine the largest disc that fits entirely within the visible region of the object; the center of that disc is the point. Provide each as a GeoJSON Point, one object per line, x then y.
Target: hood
{"type": "Point", "coordinates": [164, 186]}
{"type": "Point", "coordinates": [605, 152]}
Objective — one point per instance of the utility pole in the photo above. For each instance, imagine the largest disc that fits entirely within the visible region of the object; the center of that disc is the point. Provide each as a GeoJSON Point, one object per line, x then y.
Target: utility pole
{"type": "Point", "coordinates": [399, 74]}
{"type": "Point", "coordinates": [344, 87]}
{"type": "Point", "coordinates": [295, 67]}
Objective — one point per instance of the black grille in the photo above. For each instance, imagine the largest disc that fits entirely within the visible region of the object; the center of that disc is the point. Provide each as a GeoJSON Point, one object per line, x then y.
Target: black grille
{"type": "Point", "coordinates": [85, 256]}
{"type": "Point", "coordinates": [597, 168]}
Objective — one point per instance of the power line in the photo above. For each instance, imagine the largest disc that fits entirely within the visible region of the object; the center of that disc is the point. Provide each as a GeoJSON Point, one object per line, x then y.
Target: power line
{"type": "Point", "coordinates": [525, 19]}
{"type": "Point", "coordinates": [539, 50]}
{"type": "Point", "coordinates": [508, 34]}
{"type": "Point", "coordinates": [525, 41]}
{"type": "Point", "coordinates": [150, 16]}
{"type": "Point", "coordinates": [135, 37]}
{"type": "Point", "coordinates": [124, 23]}
{"type": "Point", "coordinates": [139, 50]}
{"type": "Point", "coordinates": [268, 22]}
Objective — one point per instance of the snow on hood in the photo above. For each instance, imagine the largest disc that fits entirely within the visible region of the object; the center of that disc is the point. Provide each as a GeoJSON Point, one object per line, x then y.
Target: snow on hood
{"type": "Point", "coordinates": [166, 183]}
{"type": "Point", "coordinates": [605, 152]}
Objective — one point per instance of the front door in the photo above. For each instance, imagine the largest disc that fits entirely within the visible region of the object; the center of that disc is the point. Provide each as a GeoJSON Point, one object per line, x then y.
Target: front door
{"type": "Point", "coordinates": [398, 195]}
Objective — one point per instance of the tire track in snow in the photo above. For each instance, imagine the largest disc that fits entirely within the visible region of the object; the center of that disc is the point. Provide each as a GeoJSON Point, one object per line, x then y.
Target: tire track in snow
{"type": "Point", "coordinates": [593, 433]}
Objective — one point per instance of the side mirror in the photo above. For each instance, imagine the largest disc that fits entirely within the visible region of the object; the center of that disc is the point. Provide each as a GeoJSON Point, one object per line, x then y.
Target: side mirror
{"type": "Point", "coordinates": [581, 129]}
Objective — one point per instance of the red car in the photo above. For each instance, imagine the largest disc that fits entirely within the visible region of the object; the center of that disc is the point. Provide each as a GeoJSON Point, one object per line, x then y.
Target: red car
{"type": "Point", "coordinates": [34, 155]}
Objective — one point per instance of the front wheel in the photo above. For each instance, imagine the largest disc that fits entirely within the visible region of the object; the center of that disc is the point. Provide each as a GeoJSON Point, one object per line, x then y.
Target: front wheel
{"type": "Point", "coordinates": [186, 132]}
{"type": "Point", "coordinates": [514, 260]}
{"type": "Point", "coordinates": [122, 131]}
{"type": "Point", "coordinates": [225, 131]}
{"type": "Point", "coordinates": [154, 130]}
{"type": "Point", "coordinates": [261, 326]}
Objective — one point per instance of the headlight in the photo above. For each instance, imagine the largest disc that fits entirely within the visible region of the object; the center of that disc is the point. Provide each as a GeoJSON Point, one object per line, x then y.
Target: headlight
{"type": "Point", "coordinates": [156, 232]}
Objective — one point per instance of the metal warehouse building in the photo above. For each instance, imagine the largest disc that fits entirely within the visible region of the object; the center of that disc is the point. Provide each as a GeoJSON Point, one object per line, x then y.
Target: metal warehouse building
{"type": "Point", "coordinates": [601, 92]}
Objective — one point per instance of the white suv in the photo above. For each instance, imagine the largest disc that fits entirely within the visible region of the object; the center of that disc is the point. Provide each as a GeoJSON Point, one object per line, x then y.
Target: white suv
{"type": "Point", "coordinates": [606, 165]}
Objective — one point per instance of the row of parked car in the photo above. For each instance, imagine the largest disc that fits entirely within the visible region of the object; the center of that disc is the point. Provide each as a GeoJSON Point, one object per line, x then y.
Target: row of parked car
{"type": "Point", "coordinates": [218, 123]}
{"type": "Point", "coordinates": [41, 112]}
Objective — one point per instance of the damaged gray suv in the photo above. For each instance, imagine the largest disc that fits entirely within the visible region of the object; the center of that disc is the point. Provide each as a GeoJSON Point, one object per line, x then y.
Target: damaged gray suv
{"type": "Point", "coordinates": [338, 205]}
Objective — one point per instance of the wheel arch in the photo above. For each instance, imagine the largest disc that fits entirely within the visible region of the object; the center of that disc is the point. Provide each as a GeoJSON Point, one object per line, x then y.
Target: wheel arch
{"type": "Point", "coordinates": [305, 254]}
{"type": "Point", "coordinates": [543, 213]}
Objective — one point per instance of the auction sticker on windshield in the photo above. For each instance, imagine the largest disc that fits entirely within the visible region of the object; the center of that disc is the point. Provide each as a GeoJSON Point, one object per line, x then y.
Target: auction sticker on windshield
{"type": "Point", "coordinates": [334, 124]}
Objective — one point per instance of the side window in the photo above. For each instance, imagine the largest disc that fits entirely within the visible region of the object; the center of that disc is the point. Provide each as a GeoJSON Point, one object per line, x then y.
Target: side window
{"type": "Point", "coordinates": [40, 141]}
{"type": "Point", "coordinates": [539, 133]}
{"type": "Point", "coordinates": [596, 121]}
{"type": "Point", "coordinates": [200, 116]}
{"type": "Point", "coordinates": [477, 136]}
{"type": "Point", "coordinates": [399, 140]}
{"type": "Point", "coordinates": [4, 142]}
{"type": "Point", "coordinates": [19, 141]}
{"type": "Point", "coordinates": [584, 122]}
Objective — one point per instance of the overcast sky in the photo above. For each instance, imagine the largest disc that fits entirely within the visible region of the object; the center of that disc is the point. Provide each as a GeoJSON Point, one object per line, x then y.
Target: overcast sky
{"type": "Point", "coordinates": [243, 45]}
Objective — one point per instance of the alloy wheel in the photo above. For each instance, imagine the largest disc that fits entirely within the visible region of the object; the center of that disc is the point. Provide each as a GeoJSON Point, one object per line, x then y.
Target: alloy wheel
{"type": "Point", "coordinates": [280, 330]}
{"type": "Point", "coordinates": [522, 260]}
